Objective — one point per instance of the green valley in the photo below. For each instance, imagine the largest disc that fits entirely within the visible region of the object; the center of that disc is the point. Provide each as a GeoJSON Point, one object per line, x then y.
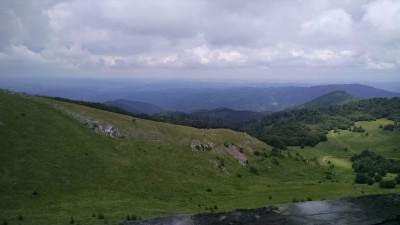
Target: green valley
{"type": "Point", "coordinates": [62, 162]}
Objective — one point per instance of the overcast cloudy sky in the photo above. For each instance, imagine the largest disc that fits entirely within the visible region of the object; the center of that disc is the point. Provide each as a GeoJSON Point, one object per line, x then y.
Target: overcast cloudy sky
{"type": "Point", "coordinates": [300, 40]}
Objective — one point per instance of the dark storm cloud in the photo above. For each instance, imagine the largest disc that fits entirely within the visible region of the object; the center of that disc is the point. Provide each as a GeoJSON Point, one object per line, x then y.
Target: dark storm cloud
{"type": "Point", "coordinates": [178, 34]}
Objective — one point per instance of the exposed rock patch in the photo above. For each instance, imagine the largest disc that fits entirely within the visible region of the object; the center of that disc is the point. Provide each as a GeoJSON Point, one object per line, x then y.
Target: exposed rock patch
{"type": "Point", "coordinates": [203, 145]}
{"type": "Point", "coordinates": [96, 125]}
{"type": "Point", "coordinates": [234, 151]}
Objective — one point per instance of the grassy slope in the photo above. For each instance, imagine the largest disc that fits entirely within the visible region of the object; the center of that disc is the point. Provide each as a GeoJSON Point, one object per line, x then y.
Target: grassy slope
{"type": "Point", "coordinates": [341, 146]}
{"type": "Point", "coordinates": [151, 172]}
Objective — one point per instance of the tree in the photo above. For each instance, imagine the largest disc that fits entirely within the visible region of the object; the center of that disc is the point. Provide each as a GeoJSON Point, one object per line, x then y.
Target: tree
{"type": "Point", "coordinates": [397, 179]}
{"type": "Point", "coordinates": [377, 178]}
{"type": "Point", "coordinates": [387, 184]}
{"type": "Point", "coordinates": [361, 178]}
{"type": "Point", "coordinates": [254, 170]}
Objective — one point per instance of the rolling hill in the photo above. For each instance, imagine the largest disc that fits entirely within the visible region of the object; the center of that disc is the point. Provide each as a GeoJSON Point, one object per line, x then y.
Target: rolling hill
{"type": "Point", "coordinates": [331, 99]}
{"type": "Point", "coordinates": [63, 162]}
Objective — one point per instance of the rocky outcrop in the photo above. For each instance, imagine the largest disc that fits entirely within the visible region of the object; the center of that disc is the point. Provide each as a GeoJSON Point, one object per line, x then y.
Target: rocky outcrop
{"type": "Point", "coordinates": [103, 128]}
{"type": "Point", "coordinates": [204, 145]}
{"type": "Point", "coordinates": [96, 125]}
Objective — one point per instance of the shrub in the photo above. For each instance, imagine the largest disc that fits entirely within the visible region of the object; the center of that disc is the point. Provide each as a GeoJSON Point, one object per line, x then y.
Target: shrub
{"type": "Point", "coordinates": [256, 153]}
{"type": "Point", "coordinates": [209, 190]}
{"type": "Point", "coordinates": [276, 162]}
{"type": "Point", "coordinates": [397, 179]}
{"type": "Point", "coordinates": [20, 217]}
{"type": "Point", "coordinates": [100, 216]}
{"type": "Point", "coordinates": [370, 181]}
{"type": "Point", "coordinates": [377, 178]}
{"type": "Point", "coordinates": [254, 170]}
{"type": "Point", "coordinates": [71, 220]}
{"type": "Point", "coordinates": [361, 178]}
{"type": "Point", "coordinates": [389, 127]}
{"type": "Point", "coordinates": [387, 184]}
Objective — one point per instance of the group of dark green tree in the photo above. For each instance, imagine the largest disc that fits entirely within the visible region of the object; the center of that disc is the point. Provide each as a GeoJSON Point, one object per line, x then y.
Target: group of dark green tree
{"type": "Point", "coordinates": [371, 167]}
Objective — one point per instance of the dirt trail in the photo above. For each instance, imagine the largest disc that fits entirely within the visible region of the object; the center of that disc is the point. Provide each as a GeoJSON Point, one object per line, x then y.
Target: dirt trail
{"type": "Point", "coordinates": [344, 144]}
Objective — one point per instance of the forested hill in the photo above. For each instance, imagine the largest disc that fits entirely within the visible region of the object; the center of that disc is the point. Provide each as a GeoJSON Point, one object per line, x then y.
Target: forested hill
{"type": "Point", "coordinates": [330, 99]}
{"type": "Point", "coordinates": [309, 126]}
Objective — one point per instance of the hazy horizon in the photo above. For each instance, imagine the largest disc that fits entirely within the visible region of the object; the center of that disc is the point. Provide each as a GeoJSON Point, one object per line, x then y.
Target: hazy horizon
{"type": "Point", "coordinates": [268, 41]}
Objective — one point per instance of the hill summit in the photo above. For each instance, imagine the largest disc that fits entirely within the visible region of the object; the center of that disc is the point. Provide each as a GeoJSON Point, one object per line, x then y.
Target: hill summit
{"type": "Point", "coordinates": [330, 99]}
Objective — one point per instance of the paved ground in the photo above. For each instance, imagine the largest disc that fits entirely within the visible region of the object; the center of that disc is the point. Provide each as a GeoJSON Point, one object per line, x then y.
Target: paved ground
{"type": "Point", "coordinates": [364, 210]}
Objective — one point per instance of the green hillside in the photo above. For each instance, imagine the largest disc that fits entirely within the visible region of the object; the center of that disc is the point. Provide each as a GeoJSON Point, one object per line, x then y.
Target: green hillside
{"type": "Point", "coordinates": [61, 160]}
{"type": "Point", "coordinates": [309, 126]}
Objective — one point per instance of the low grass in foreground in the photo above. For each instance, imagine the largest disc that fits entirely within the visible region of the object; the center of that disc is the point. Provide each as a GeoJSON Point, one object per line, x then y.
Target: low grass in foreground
{"type": "Point", "coordinates": [53, 168]}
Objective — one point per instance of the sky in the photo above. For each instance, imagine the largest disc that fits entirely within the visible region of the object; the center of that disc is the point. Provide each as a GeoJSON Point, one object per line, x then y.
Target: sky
{"type": "Point", "coordinates": [277, 40]}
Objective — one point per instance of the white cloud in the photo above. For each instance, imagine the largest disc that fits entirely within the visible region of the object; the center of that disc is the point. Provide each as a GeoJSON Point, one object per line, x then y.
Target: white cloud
{"type": "Point", "coordinates": [374, 65]}
{"type": "Point", "coordinates": [382, 18]}
{"type": "Point", "coordinates": [191, 35]}
{"type": "Point", "coordinates": [204, 56]}
{"type": "Point", "coordinates": [335, 23]}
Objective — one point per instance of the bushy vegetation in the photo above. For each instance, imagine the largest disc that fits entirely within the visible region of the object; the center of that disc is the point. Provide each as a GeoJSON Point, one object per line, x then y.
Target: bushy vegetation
{"type": "Point", "coordinates": [387, 184]}
{"type": "Point", "coordinates": [371, 167]}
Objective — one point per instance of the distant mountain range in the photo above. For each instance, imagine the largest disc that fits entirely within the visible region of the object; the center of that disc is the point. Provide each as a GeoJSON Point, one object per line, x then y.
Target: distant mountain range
{"type": "Point", "coordinates": [189, 98]}
{"type": "Point", "coordinates": [135, 106]}
{"type": "Point", "coordinates": [234, 119]}
{"type": "Point", "coordinates": [229, 115]}
{"type": "Point", "coordinates": [248, 98]}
